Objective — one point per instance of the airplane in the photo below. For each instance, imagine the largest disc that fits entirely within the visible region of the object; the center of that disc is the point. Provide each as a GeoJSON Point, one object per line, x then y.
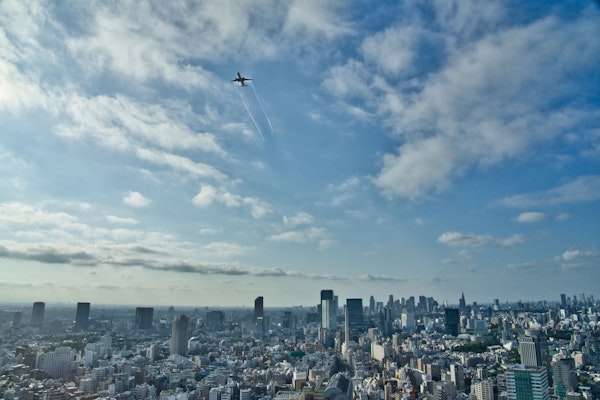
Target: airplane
{"type": "Point", "coordinates": [241, 79]}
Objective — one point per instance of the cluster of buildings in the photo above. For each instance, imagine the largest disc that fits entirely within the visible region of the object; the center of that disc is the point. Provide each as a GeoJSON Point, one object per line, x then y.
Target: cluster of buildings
{"type": "Point", "coordinates": [400, 349]}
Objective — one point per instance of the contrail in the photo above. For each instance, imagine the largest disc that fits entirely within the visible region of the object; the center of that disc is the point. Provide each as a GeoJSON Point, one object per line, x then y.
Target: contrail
{"type": "Point", "coordinates": [263, 109]}
{"type": "Point", "coordinates": [250, 114]}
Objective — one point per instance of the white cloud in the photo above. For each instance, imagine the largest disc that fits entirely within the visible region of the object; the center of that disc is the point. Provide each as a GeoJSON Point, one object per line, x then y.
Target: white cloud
{"type": "Point", "coordinates": [135, 199]}
{"type": "Point", "coordinates": [572, 255]}
{"type": "Point", "coordinates": [471, 240]}
{"type": "Point", "coordinates": [120, 220]}
{"type": "Point", "coordinates": [461, 239]}
{"type": "Point", "coordinates": [477, 103]}
{"type": "Point", "coordinates": [582, 189]}
{"type": "Point", "coordinates": [530, 217]}
{"type": "Point", "coordinates": [209, 194]}
{"type": "Point", "coordinates": [309, 19]}
{"type": "Point", "coordinates": [308, 235]}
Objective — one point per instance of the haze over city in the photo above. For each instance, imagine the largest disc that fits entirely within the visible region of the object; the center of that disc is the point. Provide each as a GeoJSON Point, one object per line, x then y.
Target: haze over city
{"type": "Point", "coordinates": [380, 148]}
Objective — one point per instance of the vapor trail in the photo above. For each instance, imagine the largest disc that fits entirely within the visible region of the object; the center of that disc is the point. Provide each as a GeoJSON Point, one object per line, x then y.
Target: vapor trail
{"type": "Point", "coordinates": [263, 109]}
{"type": "Point", "coordinates": [250, 114]}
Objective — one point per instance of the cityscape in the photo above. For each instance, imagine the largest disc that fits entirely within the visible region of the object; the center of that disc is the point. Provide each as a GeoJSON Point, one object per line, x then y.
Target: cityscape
{"type": "Point", "coordinates": [337, 349]}
{"type": "Point", "coordinates": [299, 200]}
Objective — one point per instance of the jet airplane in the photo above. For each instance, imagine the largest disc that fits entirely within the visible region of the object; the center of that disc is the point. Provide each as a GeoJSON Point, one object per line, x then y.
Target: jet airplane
{"type": "Point", "coordinates": [241, 79]}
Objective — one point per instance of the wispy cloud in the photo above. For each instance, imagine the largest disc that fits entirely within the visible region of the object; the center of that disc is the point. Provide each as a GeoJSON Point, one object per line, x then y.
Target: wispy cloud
{"type": "Point", "coordinates": [461, 239]}
{"type": "Point", "coordinates": [472, 240]}
{"type": "Point", "coordinates": [583, 189]}
{"type": "Point", "coordinates": [475, 101]}
{"type": "Point", "coordinates": [208, 195]}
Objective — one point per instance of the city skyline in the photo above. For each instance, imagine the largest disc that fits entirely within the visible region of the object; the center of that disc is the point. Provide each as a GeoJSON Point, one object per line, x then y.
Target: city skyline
{"type": "Point", "coordinates": [403, 149]}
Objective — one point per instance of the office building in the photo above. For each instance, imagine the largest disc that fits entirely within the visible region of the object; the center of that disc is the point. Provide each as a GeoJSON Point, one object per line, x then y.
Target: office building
{"type": "Point", "coordinates": [37, 314]}
{"type": "Point", "coordinates": [355, 318]}
{"type": "Point", "coordinates": [385, 322]}
{"type": "Point", "coordinates": [179, 335]}
{"type": "Point", "coordinates": [82, 316]}
{"type": "Point", "coordinates": [533, 349]}
{"type": "Point", "coordinates": [258, 308]}
{"type": "Point", "coordinates": [563, 375]}
{"type": "Point", "coordinates": [527, 383]}
{"type": "Point", "coordinates": [452, 321]}
{"type": "Point", "coordinates": [144, 317]}
{"type": "Point", "coordinates": [329, 314]}
{"type": "Point", "coordinates": [483, 390]}
{"type": "Point", "coordinates": [457, 375]}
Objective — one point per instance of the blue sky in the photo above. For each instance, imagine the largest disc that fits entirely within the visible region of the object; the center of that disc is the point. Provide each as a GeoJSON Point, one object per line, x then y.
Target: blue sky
{"type": "Point", "coordinates": [381, 148]}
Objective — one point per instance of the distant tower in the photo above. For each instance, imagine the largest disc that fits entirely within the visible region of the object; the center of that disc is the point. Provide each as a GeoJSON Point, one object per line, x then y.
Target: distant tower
{"type": "Point", "coordinates": [462, 304]}
{"type": "Point", "coordinates": [144, 317]}
{"type": "Point", "coordinates": [37, 314]}
{"type": "Point", "coordinates": [563, 300]}
{"type": "Point", "coordinates": [527, 383]}
{"type": "Point", "coordinates": [258, 308]}
{"type": "Point", "coordinates": [385, 322]}
{"type": "Point", "coordinates": [452, 320]}
{"type": "Point", "coordinates": [329, 317]}
{"type": "Point", "coordinates": [179, 335]}
{"type": "Point", "coordinates": [82, 317]}
{"type": "Point", "coordinates": [372, 305]}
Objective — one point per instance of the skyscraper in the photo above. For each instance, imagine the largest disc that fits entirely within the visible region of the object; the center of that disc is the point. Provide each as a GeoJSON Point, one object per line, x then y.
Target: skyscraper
{"type": "Point", "coordinates": [563, 300]}
{"type": "Point", "coordinates": [329, 314]}
{"type": "Point", "coordinates": [258, 308]}
{"type": "Point", "coordinates": [144, 317]}
{"type": "Point", "coordinates": [452, 320]}
{"type": "Point", "coordinates": [37, 314]}
{"type": "Point", "coordinates": [355, 317]}
{"type": "Point", "coordinates": [533, 349]}
{"type": "Point", "coordinates": [527, 383]}
{"type": "Point", "coordinates": [179, 335]}
{"type": "Point", "coordinates": [82, 317]}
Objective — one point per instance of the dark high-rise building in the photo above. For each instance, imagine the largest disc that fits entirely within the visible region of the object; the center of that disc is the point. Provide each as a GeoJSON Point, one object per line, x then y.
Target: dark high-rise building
{"type": "Point", "coordinates": [563, 300]}
{"type": "Point", "coordinates": [355, 317]}
{"type": "Point", "coordinates": [258, 308]}
{"type": "Point", "coordinates": [144, 317]}
{"type": "Point", "coordinates": [452, 321]}
{"type": "Point", "coordinates": [82, 316]}
{"type": "Point", "coordinates": [179, 335]}
{"type": "Point", "coordinates": [37, 314]}
{"type": "Point", "coordinates": [462, 304]}
{"type": "Point", "coordinates": [385, 322]}
{"type": "Point", "coordinates": [372, 305]}
{"type": "Point", "coordinates": [326, 294]}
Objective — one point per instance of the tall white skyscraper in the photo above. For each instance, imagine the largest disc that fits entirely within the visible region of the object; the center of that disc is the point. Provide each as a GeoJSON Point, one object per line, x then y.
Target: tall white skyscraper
{"type": "Point", "coordinates": [179, 335]}
{"type": "Point", "coordinates": [329, 314]}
